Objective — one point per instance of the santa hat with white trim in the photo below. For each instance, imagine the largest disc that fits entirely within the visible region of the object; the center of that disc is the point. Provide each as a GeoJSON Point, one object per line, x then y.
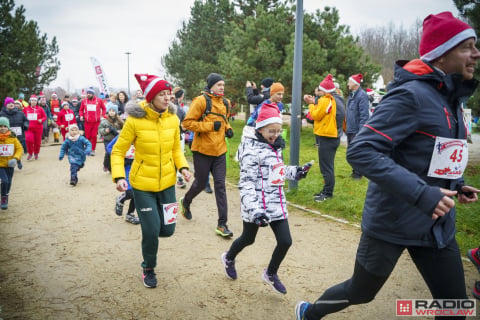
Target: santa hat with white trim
{"type": "Point", "coordinates": [357, 78]}
{"type": "Point", "coordinates": [327, 84]}
{"type": "Point", "coordinates": [441, 33]}
{"type": "Point", "coordinates": [151, 85]}
{"type": "Point", "coordinates": [268, 114]}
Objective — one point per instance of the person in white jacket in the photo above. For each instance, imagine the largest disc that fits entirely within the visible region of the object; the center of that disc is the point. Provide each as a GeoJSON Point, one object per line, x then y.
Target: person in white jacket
{"type": "Point", "coordinates": [263, 203]}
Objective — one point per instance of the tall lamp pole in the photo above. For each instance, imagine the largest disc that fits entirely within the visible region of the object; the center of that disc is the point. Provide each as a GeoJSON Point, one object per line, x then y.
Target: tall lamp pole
{"type": "Point", "coordinates": [128, 71]}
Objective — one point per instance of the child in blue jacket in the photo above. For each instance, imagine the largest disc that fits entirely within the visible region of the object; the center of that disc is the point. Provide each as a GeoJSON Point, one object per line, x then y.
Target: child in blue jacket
{"type": "Point", "coordinates": [77, 147]}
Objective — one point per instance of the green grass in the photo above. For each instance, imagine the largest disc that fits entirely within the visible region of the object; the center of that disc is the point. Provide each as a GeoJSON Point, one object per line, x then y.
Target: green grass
{"type": "Point", "coordinates": [350, 194]}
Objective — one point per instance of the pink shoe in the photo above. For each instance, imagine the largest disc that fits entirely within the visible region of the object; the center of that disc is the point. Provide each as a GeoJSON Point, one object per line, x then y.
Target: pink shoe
{"type": "Point", "coordinates": [29, 157]}
{"type": "Point", "coordinates": [36, 156]}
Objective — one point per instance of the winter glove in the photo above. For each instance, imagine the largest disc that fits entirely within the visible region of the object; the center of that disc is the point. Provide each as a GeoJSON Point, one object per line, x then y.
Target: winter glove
{"type": "Point", "coordinates": [19, 165]}
{"type": "Point", "coordinates": [261, 221]}
{"type": "Point", "coordinates": [217, 125]}
{"type": "Point", "coordinates": [60, 158]}
{"type": "Point", "coordinates": [229, 133]}
{"type": "Point", "coordinates": [12, 163]}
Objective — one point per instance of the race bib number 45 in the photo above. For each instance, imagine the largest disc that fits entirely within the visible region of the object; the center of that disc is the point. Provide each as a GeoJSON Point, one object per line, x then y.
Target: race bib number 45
{"type": "Point", "coordinates": [449, 158]}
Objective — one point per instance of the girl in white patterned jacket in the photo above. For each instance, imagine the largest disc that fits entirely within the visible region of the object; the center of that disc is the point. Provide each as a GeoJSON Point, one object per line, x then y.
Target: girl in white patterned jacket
{"type": "Point", "coordinates": [263, 203]}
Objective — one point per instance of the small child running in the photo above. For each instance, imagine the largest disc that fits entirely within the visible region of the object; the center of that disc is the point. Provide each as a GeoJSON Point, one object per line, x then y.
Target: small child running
{"type": "Point", "coordinates": [10, 154]}
{"type": "Point", "coordinates": [76, 147]}
{"type": "Point", "coordinates": [128, 194]}
{"type": "Point", "coordinates": [263, 203]}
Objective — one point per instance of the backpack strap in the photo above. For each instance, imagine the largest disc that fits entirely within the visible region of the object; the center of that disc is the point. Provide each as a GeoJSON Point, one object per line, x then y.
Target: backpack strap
{"type": "Point", "coordinates": [208, 108]}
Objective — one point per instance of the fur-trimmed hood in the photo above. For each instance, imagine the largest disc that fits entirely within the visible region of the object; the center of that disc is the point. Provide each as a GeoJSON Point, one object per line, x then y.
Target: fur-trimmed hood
{"type": "Point", "coordinates": [137, 109]}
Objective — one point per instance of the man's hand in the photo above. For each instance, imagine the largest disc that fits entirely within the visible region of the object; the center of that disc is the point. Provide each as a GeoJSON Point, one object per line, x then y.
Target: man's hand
{"type": "Point", "coordinates": [468, 194]}
{"type": "Point", "coordinates": [445, 204]}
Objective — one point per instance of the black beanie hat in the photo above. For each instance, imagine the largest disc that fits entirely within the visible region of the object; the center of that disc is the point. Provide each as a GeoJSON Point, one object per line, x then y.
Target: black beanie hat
{"type": "Point", "coordinates": [267, 82]}
{"type": "Point", "coordinates": [179, 93]}
{"type": "Point", "coordinates": [212, 79]}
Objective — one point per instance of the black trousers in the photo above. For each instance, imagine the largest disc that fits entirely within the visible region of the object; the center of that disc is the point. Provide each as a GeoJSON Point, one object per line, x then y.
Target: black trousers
{"type": "Point", "coordinates": [350, 137]}
{"type": "Point", "coordinates": [442, 270]}
{"type": "Point", "coordinates": [281, 230]}
{"type": "Point", "coordinates": [327, 149]}
{"type": "Point", "coordinates": [203, 165]}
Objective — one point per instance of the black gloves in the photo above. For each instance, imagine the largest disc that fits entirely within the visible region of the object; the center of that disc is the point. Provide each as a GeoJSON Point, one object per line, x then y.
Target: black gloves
{"type": "Point", "coordinates": [302, 171]}
{"type": "Point", "coordinates": [217, 125]}
{"type": "Point", "coordinates": [229, 133]}
{"type": "Point", "coordinates": [261, 221]}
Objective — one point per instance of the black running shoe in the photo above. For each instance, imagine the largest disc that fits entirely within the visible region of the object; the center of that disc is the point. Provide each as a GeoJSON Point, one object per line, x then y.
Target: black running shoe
{"type": "Point", "coordinates": [149, 278]}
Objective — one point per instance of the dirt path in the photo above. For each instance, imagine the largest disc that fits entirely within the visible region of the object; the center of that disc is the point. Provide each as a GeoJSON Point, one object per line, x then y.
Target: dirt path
{"type": "Point", "coordinates": [64, 254]}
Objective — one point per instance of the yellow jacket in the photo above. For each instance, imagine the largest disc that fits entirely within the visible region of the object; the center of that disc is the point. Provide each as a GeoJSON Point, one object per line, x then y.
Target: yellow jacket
{"type": "Point", "coordinates": [158, 154]}
{"type": "Point", "coordinates": [11, 140]}
{"type": "Point", "coordinates": [206, 140]}
{"type": "Point", "coordinates": [324, 116]}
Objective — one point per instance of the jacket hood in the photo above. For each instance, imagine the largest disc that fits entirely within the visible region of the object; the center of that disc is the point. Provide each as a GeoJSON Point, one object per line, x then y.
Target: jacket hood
{"type": "Point", "coordinates": [451, 84]}
{"type": "Point", "coordinates": [137, 109]}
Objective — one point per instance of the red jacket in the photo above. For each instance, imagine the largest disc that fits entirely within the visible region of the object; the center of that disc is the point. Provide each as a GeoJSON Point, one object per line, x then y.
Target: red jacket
{"type": "Point", "coordinates": [34, 114]}
{"type": "Point", "coordinates": [55, 107]}
{"type": "Point", "coordinates": [66, 117]}
{"type": "Point", "coordinates": [92, 110]}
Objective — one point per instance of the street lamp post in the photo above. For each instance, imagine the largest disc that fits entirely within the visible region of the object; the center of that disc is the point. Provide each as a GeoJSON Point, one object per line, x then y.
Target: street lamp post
{"type": "Point", "coordinates": [128, 71]}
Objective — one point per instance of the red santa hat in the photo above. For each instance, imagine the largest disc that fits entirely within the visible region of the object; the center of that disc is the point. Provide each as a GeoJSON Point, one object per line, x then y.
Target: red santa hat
{"type": "Point", "coordinates": [357, 78]}
{"type": "Point", "coordinates": [151, 85]}
{"type": "Point", "coordinates": [33, 97]}
{"type": "Point", "coordinates": [54, 94]}
{"type": "Point", "coordinates": [441, 33]}
{"type": "Point", "coordinates": [269, 114]}
{"type": "Point", "coordinates": [327, 84]}
{"type": "Point", "coordinates": [370, 92]}
{"type": "Point", "coordinates": [41, 95]}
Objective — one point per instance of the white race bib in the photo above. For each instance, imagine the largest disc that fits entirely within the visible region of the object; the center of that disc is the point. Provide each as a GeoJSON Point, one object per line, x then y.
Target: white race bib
{"type": "Point", "coordinates": [170, 211]}
{"type": "Point", "coordinates": [91, 107]}
{"type": "Point", "coordinates": [17, 130]}
{"type": "Point", "coordinates": [69, 116]}
{"type": "Point", "coordinates": [6, 150]}
{"type": "Point", "coordinates": [31, 116]}
{"type": "Point", "coordinates": [130, 153]}
{"type": "Point", "coordinates": [56, 110]}
{"type": "Point", "coordinates": [449, 158]}
{"type": "Point", "coordinates": [277, 176]}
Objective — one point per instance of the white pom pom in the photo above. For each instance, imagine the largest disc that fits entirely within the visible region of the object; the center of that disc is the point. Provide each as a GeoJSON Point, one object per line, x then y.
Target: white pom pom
{"type": "Point", "coordinates": [143, 78]}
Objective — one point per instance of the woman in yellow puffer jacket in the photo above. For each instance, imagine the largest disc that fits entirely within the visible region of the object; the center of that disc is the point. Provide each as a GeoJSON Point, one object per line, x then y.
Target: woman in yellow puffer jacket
{"type": "Point", "coordinates": [152, 127]}
{"type": "Point", "coordinates": [11, 151]}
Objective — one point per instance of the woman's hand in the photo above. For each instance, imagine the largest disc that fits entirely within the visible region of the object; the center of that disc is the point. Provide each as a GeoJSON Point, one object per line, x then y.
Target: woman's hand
{"type": "Point", "coordinates": [186, 174]}
{"type": "Point", "coordinates": [122, 185]}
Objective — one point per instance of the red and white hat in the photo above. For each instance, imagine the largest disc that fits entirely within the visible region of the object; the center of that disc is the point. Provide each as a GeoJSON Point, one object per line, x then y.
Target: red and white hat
{"type": "Point", "coordinates": [269, 114]}
{"type": "Point", "coordinates": [441, 33]}
{"type": "Point", "coordinates": [33, 97]}
{"type": "Point", "coordinates": [370, 92]}
{"type": "Point", "coordinates": [151, 85]}
{"type": "Point", "coordinates": [54, 94]}
{"type": "Point", "coordinates": [327, 84]}
{"type": "Point", "coordinates": [357, 78]}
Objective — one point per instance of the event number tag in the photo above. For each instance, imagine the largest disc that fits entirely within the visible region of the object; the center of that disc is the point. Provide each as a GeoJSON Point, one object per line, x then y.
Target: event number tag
{"type": "Point", "coordinates": [449, 158]}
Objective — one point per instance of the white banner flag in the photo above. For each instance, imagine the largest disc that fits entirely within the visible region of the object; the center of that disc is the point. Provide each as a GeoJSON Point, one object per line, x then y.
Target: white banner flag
{"type": "Point", "coordinates": [100, 74]}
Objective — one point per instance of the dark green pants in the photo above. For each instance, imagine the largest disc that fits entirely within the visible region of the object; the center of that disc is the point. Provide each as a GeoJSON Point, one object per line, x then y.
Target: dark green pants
{"type": "Point", "coordinates": [149, 207]}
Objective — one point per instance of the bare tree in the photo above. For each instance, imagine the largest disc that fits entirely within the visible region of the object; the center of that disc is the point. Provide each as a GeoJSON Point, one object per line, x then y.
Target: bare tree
{"type": "Point", "coordinates": [390, 43]}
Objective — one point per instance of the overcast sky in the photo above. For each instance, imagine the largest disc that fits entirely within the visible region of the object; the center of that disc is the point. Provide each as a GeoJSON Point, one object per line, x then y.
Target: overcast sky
{"type": "Point", "coordinates": [107, 29]}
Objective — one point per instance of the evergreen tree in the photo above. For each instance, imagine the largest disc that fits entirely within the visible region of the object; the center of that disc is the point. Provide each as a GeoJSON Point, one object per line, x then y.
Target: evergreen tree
{"type": "Point", "coordinates": [27, 60]}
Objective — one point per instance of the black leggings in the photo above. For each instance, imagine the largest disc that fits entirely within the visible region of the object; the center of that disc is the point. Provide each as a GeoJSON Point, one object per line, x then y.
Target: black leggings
{"type": "Point", "coordinates": [282, 234]}
{"type": "Point", "coordinates": [442, 270]}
